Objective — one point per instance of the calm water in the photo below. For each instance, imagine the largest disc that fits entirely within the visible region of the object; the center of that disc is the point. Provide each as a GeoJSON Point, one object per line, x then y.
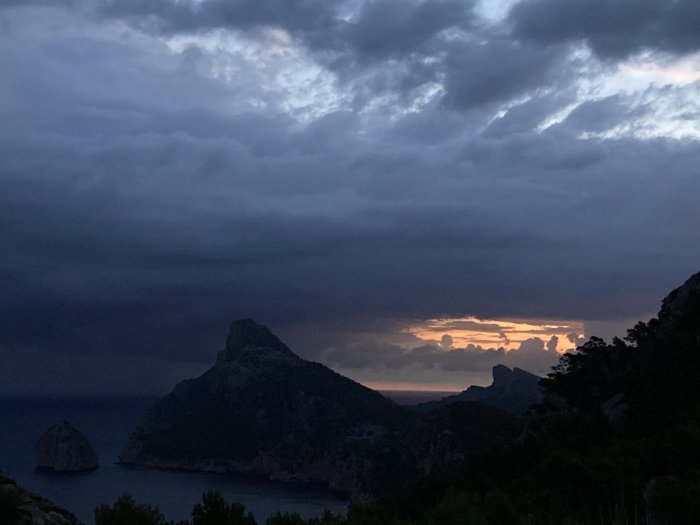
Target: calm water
{"type": "Point", "coordinates": [107, 423]}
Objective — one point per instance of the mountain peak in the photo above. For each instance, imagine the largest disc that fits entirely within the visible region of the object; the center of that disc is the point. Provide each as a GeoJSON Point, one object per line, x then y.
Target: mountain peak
{"type": "Point", "coordinates": [501, 373]}
{"type": "Point", "coordinates": [513, 390]}
{"type": "Point", "coordinates": [262, 410]}
{"type": "Point", "coordinates": [681, 302]}
{"type": "Point", "coordinates": [246, 334]}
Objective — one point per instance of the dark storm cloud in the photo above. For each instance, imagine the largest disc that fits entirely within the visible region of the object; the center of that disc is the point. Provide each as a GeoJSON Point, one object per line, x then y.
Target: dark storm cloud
{"type": "Point", "coordinates": [177, 17]}
{"type": "Point", "coordinates": [146, 202]}
{"type": "Point", "coordinates": [615, 28]}
{"type": "Point", "coordinates": [498, 70]}
{"type": "Point", "coordinates": [382, 27]}
{"type": "Point", "coordinates": [7, 4]}
{"type": "Point", "coordinates": [352, 49]}
{"type": "Point", "coordinates": [388, 47]}
{"type": "Point", "coordinates": [533, 354]}
{"type": "Point", "coordinates": [396, 27]}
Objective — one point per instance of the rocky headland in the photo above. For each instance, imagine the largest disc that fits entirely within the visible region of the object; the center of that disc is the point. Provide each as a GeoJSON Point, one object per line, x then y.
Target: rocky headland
{"type": "Point", "coordinates": [263, 410]}
{"type": "Point", "coordinates": [513, 390]}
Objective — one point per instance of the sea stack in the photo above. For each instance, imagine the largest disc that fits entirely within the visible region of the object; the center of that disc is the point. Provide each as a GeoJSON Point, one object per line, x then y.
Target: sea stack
{"type": "Point", "coordinates": [62, 448]}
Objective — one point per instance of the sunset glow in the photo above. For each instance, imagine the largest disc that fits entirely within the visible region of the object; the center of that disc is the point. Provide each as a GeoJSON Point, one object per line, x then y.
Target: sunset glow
{"type": "Point", "coordinates": [490, 333]}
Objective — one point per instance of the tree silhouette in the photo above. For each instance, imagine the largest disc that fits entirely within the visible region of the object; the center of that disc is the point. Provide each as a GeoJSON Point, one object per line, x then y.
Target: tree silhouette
{"type": "Point", "coordinates": [215, 510]}
{"type": "Point", "coordinates": [126, 511]}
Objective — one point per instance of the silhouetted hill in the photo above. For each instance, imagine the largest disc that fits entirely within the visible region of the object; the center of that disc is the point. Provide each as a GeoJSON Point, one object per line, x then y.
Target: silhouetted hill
{"type": "Point", "coordinates": [263, 410]}
{"type": "Point", "coordinates": [511, 390]}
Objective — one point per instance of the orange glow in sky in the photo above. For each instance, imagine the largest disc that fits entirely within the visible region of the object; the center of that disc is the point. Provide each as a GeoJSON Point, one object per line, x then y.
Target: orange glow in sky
{"type": "Point", "coordinates": [680, 73]}
{"type": "Point", "coordinates": [492, 333]}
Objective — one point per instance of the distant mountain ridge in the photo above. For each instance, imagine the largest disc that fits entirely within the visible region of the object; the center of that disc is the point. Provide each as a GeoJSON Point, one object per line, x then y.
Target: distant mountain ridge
{"type": "Point", "coordinates": [512, 390]}
{"type": "Point", "coordinates": [263, 410]}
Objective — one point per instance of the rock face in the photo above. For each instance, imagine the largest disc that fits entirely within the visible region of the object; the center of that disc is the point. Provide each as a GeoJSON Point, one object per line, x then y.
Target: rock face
{"type": "Point", "coordinates": [263, 410]}
{"type": "Point", "coordinates": [21, 507]}
{"type": "Point", "coordinates": [680, 310]}
{"type": "Point", "coordinates": [512, 390]}
{"type": "Point", "coordinates": [63, 449]}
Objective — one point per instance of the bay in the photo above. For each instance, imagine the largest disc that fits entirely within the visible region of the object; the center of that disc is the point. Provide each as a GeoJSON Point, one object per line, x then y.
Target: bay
{"type": "Point", "coordinates": [107, 423]}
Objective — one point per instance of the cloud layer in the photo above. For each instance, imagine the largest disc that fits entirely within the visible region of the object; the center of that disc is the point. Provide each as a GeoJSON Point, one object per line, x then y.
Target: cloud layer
{"type": "Point", "coordinates": [168, 166]}
{"type": "Point", "coordinates": [613, 29]}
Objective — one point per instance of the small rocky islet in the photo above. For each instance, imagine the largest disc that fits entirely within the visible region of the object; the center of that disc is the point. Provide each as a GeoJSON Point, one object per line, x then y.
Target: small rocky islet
{"type": "Point", "coordinates": [62, 448]}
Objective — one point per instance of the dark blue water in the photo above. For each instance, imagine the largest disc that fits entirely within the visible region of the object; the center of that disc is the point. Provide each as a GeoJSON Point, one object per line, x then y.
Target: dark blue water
{"type": "Point", "coordinates": [107, 423]}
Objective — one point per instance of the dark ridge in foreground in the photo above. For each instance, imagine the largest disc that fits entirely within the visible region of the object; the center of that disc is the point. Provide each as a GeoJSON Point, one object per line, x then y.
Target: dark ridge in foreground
{"type": "Point", "coordinates": [19, 506]}
{"type": "Point", "coordinates": [263, 410]}
{"type": "Point", "coordinates": [62, 448]}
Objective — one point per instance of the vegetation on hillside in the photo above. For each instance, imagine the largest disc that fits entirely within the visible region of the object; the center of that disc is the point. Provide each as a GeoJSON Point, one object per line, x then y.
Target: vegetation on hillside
{"type": "Point", "coordinates": [18, 506]}
{"type": "Point", "coordinates": [212, 510]}
{"type": "Point", "coordinates": [614, 442]}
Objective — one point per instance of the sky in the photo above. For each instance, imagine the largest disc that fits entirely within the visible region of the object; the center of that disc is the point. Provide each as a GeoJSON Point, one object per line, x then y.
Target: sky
{"type": "Point", "coordinates": [407, 191]}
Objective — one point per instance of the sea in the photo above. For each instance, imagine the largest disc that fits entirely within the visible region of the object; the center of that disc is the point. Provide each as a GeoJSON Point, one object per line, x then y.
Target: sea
{"type": "Point", "coordinates": [107, 423]}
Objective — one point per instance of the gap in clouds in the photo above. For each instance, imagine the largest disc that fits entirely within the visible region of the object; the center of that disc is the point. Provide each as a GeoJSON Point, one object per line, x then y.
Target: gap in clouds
{"type": "Point", "coordinates": [490, 333]}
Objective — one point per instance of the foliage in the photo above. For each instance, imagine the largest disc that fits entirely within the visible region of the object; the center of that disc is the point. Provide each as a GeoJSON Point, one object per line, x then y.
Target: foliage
{"type": "Point", "coordinates": [215, 510]}
{"type": "Point", "coordinates": [126, 511]}
{"type": "Point", "coordinates": [328, 518]}
{"type": "Point", "coordinates": [614, 442]}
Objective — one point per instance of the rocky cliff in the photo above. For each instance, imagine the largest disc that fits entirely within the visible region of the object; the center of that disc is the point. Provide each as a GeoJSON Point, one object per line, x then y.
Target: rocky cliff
{"type": "Point", "coordinates": [514, 391]}
{"type": "Point", "coordinates": [62, 448]}
{"type": "Point", "coordinates": [263, 410]}
{"type": "Point", "coordinates": [20, 507]}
